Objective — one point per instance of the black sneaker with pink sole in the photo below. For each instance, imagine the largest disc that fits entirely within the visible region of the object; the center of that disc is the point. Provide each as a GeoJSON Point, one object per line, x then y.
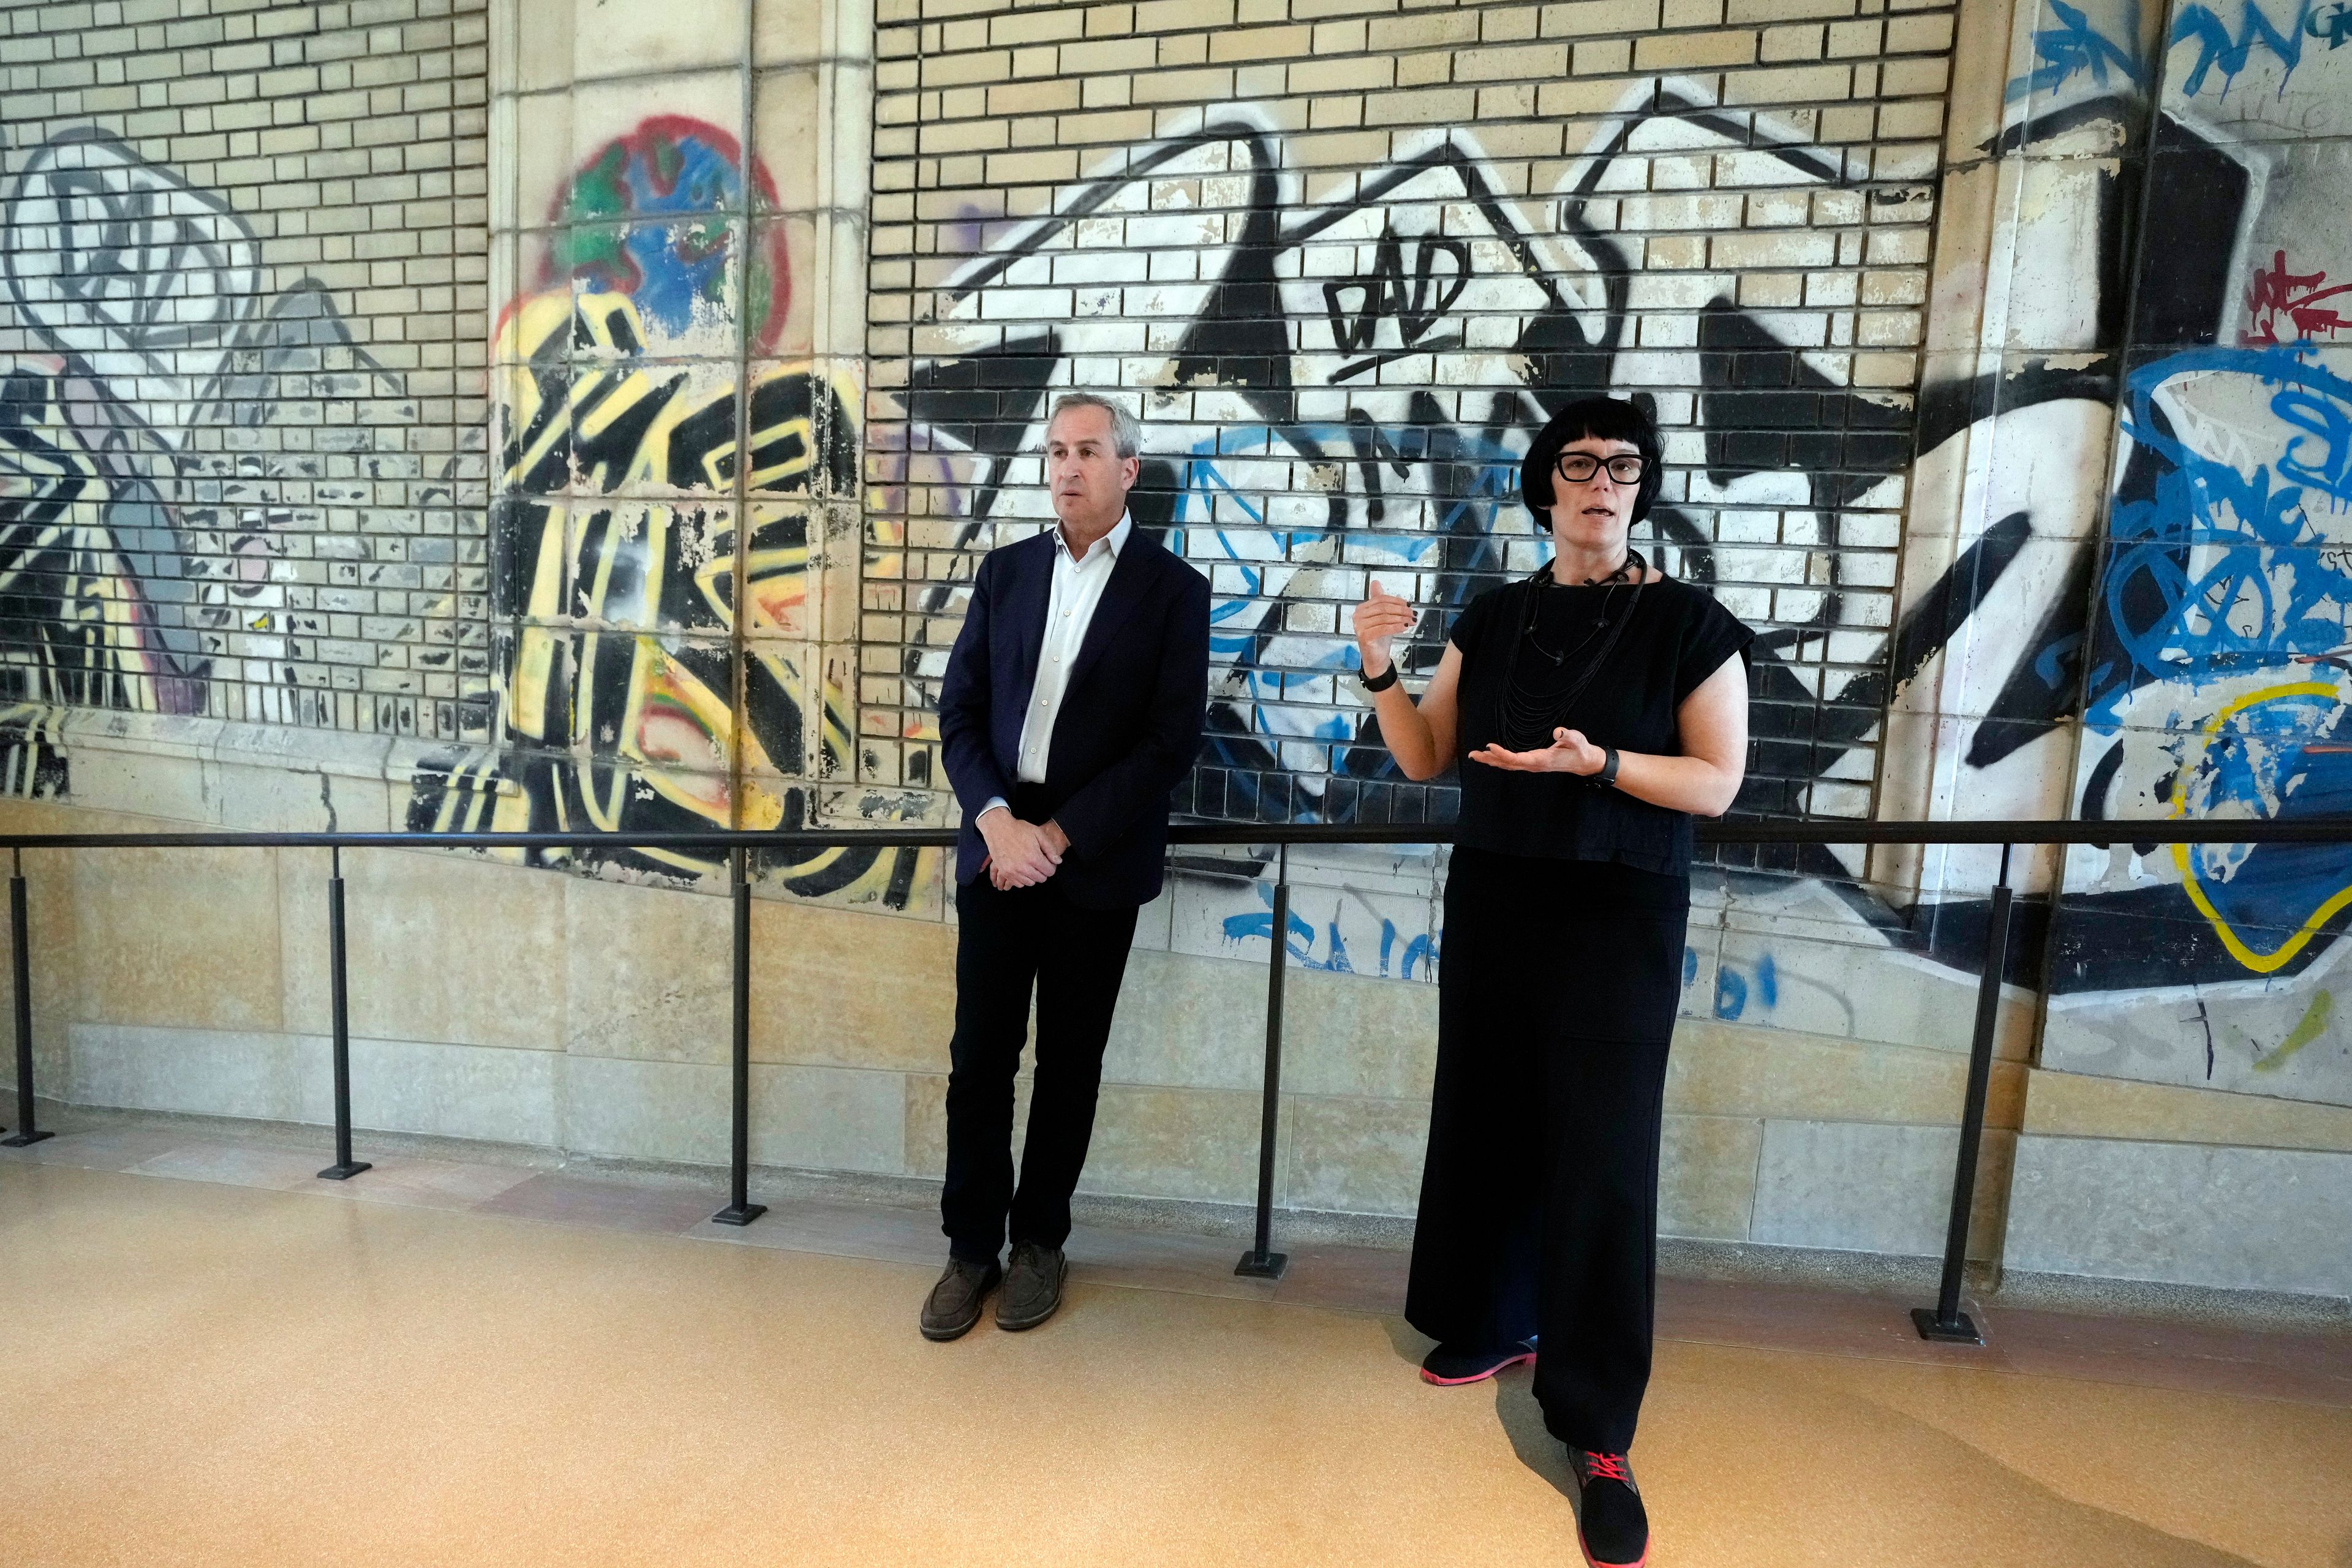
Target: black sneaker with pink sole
{"type": "Point", "coordinates": [1449, 1364]}
{"type": "Point", "coordinates": [1612, 1525]}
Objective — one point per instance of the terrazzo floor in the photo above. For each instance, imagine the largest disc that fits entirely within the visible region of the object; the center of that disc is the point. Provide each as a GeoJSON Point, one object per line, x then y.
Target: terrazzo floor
{"type": "Point", "coordinates": [208, 1355]}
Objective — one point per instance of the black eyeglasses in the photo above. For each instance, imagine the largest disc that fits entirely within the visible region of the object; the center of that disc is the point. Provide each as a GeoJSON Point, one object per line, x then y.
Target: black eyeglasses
{"type": "Point", "coordinates": [1576, 468]}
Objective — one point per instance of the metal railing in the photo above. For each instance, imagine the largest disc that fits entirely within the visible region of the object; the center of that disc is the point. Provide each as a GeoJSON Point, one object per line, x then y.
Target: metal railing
{"type": "Point", "coordinates": [1945, 1320]}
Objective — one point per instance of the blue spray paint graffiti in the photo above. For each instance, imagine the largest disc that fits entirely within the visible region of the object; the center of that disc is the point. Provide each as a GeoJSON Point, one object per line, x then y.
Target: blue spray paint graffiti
{"type": "Point", "coordinates": [2218, 49]}
{"type": "Point", "coordinates": [1262, 659]}
{"type": "Point", "coordinates": [2221, 569]}
{"type": "Point", "coordinates": [2077, 45]}
{"type": "Point", "coordinates": [1396, 961]}
{"type": "Point", "coordinates": [2228, 616]}
{"type": "Point", "coordinates": [2280, 749]}
{"type": "Point", "coordinates": [1733, 991]}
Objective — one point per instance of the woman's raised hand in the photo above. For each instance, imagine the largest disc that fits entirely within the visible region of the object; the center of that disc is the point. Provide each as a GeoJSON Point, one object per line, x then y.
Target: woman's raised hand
{"type": "Point", "coordinates": [1570, 753]}
{"type": "Point", "coordinates": [1380, 618]}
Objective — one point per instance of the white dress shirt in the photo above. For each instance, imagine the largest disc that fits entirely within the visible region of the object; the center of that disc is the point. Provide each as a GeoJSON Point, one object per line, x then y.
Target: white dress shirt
{"type": "Point", "coordinates": [1078, 582]}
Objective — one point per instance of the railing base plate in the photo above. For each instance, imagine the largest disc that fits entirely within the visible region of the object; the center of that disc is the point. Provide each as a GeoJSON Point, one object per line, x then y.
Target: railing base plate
{"type": "Point", "coordinates": [20, 1140]}
{"type": "Point", "coordinates": [1262, 1265]}
{"type": "Point", "coordinates": [739, 1213]}
{"type": "Point", "coordinates": [1963, 1332]}
{"type": "Point", "coordinates": [344, 1172]}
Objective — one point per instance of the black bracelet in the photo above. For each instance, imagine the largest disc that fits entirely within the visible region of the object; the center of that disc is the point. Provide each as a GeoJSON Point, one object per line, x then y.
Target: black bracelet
{"type": "Point", "coordinates": [1607, 777]}
{"type": "Point", "coordinates": [1379, 682]}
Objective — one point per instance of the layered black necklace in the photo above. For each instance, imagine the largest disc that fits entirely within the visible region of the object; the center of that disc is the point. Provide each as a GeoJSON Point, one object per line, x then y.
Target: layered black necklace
{"type": "Point", "coordinates": [1539, 691]}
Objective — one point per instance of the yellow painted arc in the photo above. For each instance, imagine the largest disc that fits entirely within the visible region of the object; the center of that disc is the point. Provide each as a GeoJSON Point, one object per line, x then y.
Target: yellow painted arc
{"type": "Point", "coordinates": [2284, 954]}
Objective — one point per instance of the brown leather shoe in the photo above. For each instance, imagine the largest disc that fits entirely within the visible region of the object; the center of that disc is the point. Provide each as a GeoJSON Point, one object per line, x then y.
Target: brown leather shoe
{"type": "Point", "coordinates": [954, 1305]}
{"type": "Point", "coordinates": [1033, 1286]}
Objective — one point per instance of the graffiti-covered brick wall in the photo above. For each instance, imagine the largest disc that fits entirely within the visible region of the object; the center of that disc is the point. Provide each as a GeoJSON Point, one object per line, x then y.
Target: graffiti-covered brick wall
{"type": "Point", "coordinates": [1343, 261]}
{"type": "Point", "coordinates": [240, 429]}
{"type": "Point", "coordinates": [679, 236]}
{"type": "Point", "coordinates": [2216, 649]}
{"type": "Point", "coordinates": [2136, 421]}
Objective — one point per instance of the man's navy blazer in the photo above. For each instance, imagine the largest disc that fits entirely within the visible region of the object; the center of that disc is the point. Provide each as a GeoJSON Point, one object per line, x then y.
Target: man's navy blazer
{"type": "Point", "coordinates": [1130, 721]}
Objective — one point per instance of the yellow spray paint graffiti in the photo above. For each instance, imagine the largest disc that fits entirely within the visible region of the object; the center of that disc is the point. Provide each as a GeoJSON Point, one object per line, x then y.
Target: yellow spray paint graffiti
{"type": "Point", "coordinates": [2186, 858]}
{"type": "Point", "coordinates": [634, 695]}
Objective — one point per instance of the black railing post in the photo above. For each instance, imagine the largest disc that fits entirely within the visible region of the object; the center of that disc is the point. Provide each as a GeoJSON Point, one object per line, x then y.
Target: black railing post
{"type": "Point", "coordinates": [1945, 1321]}
{"type": "Point", "coordinates": [740, 1209]}
{"type": "Point", "coordinates": [1261, 1262]}
{"type": "Point", "coordinates": [339, 990]}
{"type": "Point", "coordinates": [20, 944]}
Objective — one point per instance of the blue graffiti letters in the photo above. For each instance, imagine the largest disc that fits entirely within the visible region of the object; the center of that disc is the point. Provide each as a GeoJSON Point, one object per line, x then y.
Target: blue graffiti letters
{"type": "Point", "coordinates": [2076, 47]}
{"type": "Point", "coordinates": [2219, 48]}
{"type": "Point", "coordinates": [2222, 566]}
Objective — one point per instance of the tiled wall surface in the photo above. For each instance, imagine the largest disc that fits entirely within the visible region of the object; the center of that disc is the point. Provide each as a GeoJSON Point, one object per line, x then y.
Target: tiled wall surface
{"type": "Point", "coordinates": [246, 273]}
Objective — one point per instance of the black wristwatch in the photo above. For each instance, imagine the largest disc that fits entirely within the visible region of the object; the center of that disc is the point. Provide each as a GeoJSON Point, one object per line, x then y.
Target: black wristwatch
{"type": "Point", "coordinates": [1607, 777]}
{"type": "Point", "coordinates": [1379, 682]}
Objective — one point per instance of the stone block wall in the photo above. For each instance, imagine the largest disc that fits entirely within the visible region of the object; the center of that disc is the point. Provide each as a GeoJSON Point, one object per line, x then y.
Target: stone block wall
{"type": "Point", "coordinates": [586, 1014]}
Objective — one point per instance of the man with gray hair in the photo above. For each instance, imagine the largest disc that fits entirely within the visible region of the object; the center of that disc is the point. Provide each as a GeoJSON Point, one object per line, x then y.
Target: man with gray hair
{"type": "Point", "coordinates": [1073, 706]}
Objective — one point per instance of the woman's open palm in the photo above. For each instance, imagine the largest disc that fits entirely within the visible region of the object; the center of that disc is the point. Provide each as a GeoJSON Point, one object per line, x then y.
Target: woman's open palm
{"type": "Point", "coordinates": [1570, 753]}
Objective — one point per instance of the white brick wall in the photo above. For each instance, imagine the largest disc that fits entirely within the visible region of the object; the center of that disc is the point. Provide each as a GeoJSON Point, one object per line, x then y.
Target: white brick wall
{"type": "Point", "coordinates": [1341, 255]}
{"type": "Point", "coordinates": [248, 362]}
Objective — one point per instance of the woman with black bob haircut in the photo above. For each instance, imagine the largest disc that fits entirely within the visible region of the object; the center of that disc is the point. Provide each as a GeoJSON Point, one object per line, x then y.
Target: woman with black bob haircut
{"type": "Point", "coordinates": [1594, 709]}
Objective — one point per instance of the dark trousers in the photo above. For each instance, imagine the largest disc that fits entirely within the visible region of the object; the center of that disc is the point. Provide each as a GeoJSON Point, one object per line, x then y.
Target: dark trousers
{"type": "Point", "coordinates": [1539, 1200]}
{"type": "Point", "coordinates": [1009, 943]}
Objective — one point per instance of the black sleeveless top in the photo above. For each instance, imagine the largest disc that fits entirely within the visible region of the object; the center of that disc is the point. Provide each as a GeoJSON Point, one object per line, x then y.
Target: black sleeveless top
{"type": "Point", "coordinates": [1676, 636]}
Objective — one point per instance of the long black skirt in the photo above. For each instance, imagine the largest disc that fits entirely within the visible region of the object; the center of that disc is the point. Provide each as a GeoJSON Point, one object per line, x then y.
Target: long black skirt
{"type": "Point", "coordinates": [1556, 992]}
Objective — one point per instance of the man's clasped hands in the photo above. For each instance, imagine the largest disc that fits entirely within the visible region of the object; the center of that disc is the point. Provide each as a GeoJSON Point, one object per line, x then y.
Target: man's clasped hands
{"type": "Point", "coordinates": [1021, 854]}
